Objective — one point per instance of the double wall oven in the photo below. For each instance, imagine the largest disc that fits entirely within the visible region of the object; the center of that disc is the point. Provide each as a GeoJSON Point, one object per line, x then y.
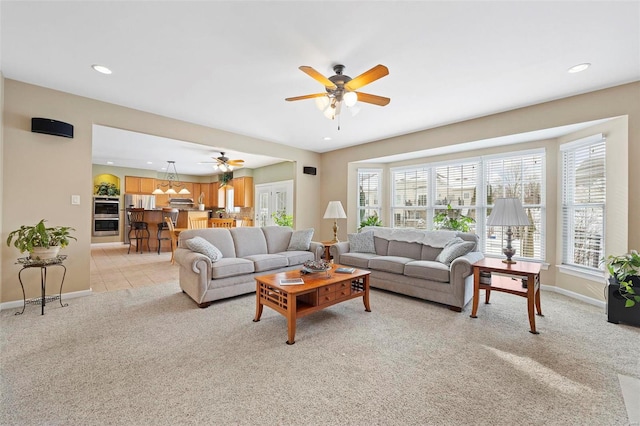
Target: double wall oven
{"type": "Point", "coordinates": [106, 216]}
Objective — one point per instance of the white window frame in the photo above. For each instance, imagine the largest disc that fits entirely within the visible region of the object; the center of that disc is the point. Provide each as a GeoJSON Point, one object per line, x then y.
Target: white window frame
{"type": "Point", "coordinates": [376, 207]}
{"type": "Point", "coordinates": [569, 206]}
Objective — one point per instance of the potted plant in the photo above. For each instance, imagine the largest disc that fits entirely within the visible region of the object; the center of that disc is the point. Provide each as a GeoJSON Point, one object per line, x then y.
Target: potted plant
{"type": "Point", "coordinates": [452, 219]}
{"type": "Point", "coordinates": [281, 218]}
{"type": "Point", "coordinates": [372, 220]}
{"type": "Point", "coordinates": [40, 241]}
{"type": "Point", "coordinates": [105, 188]}
{"type": "Point", "coordinates": [623, 302]}
{"type": "Point", "coordinates": [201, 201]}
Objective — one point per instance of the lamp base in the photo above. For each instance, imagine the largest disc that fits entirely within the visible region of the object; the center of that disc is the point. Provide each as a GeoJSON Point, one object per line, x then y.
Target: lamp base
{"type": "Point", "coordinates": [509, 261]}
{"type": "Point", "coordinates": [335, 232]}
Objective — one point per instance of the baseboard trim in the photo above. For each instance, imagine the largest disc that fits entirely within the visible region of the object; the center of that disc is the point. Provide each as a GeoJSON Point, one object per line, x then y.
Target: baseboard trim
{"type": "Point", "coordinates": [65, 296]}
{"type": "Point", "coordinates": [571, 294]}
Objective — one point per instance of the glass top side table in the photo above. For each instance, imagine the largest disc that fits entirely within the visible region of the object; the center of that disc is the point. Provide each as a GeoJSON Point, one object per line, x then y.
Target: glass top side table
{"type": "Point", "coordinates": [28, 263]}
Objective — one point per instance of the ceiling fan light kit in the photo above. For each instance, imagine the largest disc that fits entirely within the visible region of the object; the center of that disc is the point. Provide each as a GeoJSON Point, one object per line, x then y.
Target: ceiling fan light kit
{"type": "Point", "coordinates": [224, 164]}
{"type": "Point", "coordinates": [341, 89]}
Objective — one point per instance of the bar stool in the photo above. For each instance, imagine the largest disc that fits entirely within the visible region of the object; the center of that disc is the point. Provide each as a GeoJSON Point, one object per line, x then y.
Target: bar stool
{"type": "Point", "coordinates": [172, 215]}
{"type": "Point", "coordinates": [139, 228]}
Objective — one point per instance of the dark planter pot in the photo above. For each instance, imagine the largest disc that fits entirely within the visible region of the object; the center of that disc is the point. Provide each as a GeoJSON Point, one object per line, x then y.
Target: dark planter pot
{"type": "Point", "coordinates": [616, 311]}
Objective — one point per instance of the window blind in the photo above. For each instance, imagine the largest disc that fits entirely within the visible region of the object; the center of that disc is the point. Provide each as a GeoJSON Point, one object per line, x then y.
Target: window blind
{"type": "Point", "coordinates": [583, 202]}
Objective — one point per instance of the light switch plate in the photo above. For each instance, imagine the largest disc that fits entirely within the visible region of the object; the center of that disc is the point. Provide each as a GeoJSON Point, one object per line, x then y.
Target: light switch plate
{"type": "Point", "coordinates": [75, 200]}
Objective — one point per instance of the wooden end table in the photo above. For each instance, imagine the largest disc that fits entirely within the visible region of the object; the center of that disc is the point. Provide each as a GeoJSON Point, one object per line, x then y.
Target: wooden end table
{"type": "Point", "coordinates": [506, 284]}
{"type": "Point", "coordinates": [327, 247]}
{"type": "Point", "coordinates": [320, 290]}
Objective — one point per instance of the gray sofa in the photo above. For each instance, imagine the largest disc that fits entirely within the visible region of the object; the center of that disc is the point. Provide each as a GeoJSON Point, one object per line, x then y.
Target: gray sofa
{"type": "Point", "coordinates": [406, 262]}
{"type": "Point", "coordinates": [246, 252]}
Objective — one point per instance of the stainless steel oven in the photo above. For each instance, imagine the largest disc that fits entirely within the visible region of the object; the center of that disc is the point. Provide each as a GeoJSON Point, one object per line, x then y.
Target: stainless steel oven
{"type": "Point", "coordinates": [106, 216]}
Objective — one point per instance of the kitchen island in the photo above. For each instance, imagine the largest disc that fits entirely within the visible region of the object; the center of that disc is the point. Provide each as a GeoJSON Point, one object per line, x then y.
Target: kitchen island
{"type": "Point", "coordinates": [154, 219]}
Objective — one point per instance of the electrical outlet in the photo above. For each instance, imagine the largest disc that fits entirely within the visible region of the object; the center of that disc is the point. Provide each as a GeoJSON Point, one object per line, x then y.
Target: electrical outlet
{"type": "Point", "coordinates": [75, 200]}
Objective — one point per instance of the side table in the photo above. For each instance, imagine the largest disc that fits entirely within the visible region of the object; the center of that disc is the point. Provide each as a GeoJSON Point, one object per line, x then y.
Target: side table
{"type": "Point", "coordinates": [327, 246]}
{"type": "Point", "coordinates": [27, 263]}
{"type": "Point", "coordinates": [528, 270]}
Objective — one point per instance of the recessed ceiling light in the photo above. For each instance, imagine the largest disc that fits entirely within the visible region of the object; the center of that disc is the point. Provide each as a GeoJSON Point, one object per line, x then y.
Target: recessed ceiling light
{"type": "Point", "coordinates": [101, 69]}
{"type": "Point", "coordinates": [149, 162]}
{"type": "Point", "coordinates": [579, 67]}
{"type": "Point", "coordinates": [327, 138]}
{"type": "Point", "coordinates": [109, 162]}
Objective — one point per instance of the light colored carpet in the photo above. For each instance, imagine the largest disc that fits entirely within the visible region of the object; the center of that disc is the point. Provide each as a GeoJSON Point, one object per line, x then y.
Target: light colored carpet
{"type": "Point", "coordinates": [149, 356]}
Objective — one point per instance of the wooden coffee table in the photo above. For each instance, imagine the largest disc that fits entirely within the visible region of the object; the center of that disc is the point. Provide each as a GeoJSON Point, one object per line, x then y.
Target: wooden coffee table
{"type": "Point", "coordinates": [320, 290]}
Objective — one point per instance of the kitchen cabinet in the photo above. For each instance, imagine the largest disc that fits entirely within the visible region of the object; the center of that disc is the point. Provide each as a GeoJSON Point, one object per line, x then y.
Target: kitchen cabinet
{"type": "Point", "coordinates": [139, 185]}
{"type": "Point", "coordinates": [243, 191]}
{"type": "Point", "coordinates": [202, 188]}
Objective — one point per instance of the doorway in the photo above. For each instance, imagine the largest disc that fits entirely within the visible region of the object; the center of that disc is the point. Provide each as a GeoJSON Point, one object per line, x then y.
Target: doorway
{"type": "Point", "coordinates": [273, 198]}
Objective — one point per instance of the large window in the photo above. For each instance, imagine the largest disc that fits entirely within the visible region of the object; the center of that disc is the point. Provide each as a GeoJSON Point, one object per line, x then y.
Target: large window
{"type": "Point", "coordinates": [583, 202]}
{"type": "Point", "coordinates": [369, 193]}
{"type": "Point", "coordinates": [519, 176]}
{"type": "Point", "coordinates": [469, 186]}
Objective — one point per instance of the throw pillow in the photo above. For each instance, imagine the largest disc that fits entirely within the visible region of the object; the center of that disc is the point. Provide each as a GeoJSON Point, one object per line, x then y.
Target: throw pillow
{"type": "Point", "coordinates": [200, 245]}
{"type": "Point", "coordinates": [453, 249]}
{"type": "Point", "coordinates": [362, 242]}
{"type": "Point", "coordinates": [301, 239]}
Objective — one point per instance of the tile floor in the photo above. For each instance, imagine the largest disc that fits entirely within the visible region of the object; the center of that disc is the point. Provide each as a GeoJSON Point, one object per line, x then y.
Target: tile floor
{"type": "Point", "coordinates": [113, 269]}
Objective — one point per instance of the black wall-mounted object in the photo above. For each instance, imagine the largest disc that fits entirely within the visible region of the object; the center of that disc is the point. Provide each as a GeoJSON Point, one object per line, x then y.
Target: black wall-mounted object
{"type": "Point", "coordinates": [309, 170]}
{"type": "Point", "coordinates": [51, 127]}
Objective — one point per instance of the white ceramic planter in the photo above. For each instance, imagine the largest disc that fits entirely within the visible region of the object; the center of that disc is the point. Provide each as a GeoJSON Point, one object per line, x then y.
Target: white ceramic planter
{"type": "Point", "coordinates": [44, 253]}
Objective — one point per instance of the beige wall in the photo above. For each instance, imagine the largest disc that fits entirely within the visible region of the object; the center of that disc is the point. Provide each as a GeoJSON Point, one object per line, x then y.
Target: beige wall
{"type": "Point", "coordinates": [621, 101]}
{"type": "Point", "coordinates": [44, 171]}
{"type": "Point", "coordinates": [274, 173]}
{"type": "Point", "coordinates": [48, 169]}
{"type": "Point", "coordinates": [3, 180]}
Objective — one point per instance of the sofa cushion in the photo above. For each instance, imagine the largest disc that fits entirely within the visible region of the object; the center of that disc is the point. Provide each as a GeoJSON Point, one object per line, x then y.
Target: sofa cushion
{"type": "Point", "coordinates": [203, 246]}
{"type": "Point", "coordinates": [404, 249]}
{"type": "Point", "coordinates": [266, 262]}
{"type": "Point", "coordinates": [361, 242]}
{"type": "Point", "coordinates": [427, 270]}
{"type": "Point", "coordinates": [277, 237]}
{"type": "Point", "coordinates": [394, 264]}
{"type": "Point", "coordinates": [301, 239]}
{"type": "Point", "coordinates": [454, 249]}
{"type": "Point", "coordinates": [248, 241]}
{"type": "Point", "coordinates": [381, 244]}
{"type": "Point", "coordinates": [429, 253]}
{"type": "Point", "coordinates": [230, 267]}
{"type": "Point", "coordinates": [297, 257]}
{"type": "Point", "coordinates": [359, 260]}
{"type": "Point", "coordinates": [219, 237]}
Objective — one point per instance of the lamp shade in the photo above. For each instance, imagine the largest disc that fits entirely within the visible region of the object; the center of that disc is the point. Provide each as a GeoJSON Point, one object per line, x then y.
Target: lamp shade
{"type": "Point", "coordinates": [508, 212]}
{"type": "Point", "coordinates": [335, 211]}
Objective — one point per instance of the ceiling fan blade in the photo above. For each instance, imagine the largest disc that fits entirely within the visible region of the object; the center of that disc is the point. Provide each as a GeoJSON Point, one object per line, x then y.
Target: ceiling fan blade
{"type": "Point", "coordinates": [373, 99]}
{"type": "Point", "coordinates": [235, 162]}
{"type": "Point", "coordinates": [367, 77]}
{"type": "Point", "coordinates": [318, 77]}
{"type": "Point", "coordinates": [299, 98]}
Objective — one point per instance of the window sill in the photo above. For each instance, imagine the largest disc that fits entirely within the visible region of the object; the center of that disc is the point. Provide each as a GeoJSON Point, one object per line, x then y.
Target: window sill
{"type": "Point", "coordinates": [581, 273]}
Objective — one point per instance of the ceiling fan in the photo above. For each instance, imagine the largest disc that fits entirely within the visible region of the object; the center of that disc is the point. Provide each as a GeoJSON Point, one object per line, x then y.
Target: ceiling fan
{"type": "Point", "coordinates": [342, 88]}
{"type": "Point", "coordinates": [224, 164]}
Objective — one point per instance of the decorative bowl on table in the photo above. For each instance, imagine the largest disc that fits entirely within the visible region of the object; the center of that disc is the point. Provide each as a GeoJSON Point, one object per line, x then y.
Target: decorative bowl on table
{"type": "Point", "coordinates": [316, 265]}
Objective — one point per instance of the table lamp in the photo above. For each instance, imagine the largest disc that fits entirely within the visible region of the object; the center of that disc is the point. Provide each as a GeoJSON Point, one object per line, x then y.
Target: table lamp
{"type": "Point", "coordinates": [508, 212]}
{"type": "Point", "coordinates": [335, 211]}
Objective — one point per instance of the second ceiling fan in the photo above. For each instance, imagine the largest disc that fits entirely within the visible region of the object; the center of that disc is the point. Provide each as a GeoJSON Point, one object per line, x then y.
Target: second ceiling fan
{"type": "Point", "coordinates": [342, 88]}
{"type": "Point", "coordinates": [224, 164]}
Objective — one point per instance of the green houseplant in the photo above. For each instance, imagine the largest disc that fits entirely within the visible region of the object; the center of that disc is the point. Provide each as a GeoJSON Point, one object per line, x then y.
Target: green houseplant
{"type": "Point", "coordinates": [105, 188]}
{"type": "Point", "coordinates": [281, 218]}
{"type": "Point", "coordinates": [372, 220]}
{"type": "Point", "coordinates": [40, 241]}
{"type": "Point", "coordinates": [623, 303]}
{"type": "Point", "coordinates": [452, 219]}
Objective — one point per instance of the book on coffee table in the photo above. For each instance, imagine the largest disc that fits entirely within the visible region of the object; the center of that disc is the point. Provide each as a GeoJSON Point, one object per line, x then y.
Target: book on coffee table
{"type": "Point", "coordinates": [291, 281]}
{"type": "Point", "coordinates": [345, 270]}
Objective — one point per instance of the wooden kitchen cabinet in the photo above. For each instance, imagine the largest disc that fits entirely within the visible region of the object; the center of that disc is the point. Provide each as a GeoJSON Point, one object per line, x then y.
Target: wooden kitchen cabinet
{"type": "Point", "coordinates": [243, 192]}
{"type": "Point", "coordinates": [139, 185]}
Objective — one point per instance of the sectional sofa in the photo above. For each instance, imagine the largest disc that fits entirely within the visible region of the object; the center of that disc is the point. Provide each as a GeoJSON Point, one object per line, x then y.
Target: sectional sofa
{"type": "Point", "coordinates": [217, 263]}
{"type": "Point", "coordinates": [431, 265]}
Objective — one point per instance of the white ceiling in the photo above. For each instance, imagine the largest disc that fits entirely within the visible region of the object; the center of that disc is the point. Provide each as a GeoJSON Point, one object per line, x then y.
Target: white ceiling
{"type": "Point", "coordinates": [229, 65]}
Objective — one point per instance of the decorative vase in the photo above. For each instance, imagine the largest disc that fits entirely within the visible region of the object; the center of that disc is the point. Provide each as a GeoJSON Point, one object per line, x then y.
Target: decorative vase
{"type": "Point", "coordinates": [201, 207]}
{"type": "Point", "coordinates": [44, 253]}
